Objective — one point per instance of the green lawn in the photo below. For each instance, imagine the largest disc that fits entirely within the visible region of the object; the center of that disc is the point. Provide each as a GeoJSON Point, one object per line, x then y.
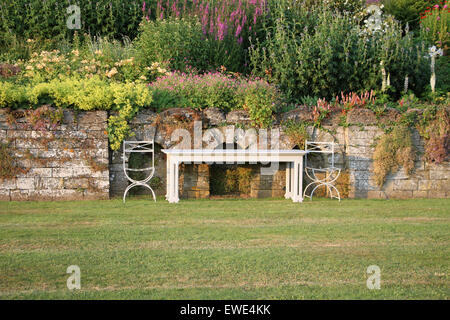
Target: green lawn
{"type": "Point", "coordinates": [225, 249]}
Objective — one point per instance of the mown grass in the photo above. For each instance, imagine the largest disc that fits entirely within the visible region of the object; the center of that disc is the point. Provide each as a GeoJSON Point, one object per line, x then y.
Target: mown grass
{"type": "Point", "coordinates": [225, 249]}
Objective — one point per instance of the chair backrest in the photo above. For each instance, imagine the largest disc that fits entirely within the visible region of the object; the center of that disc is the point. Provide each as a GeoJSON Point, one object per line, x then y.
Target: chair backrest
{"type": "Point", "coordinates": [146, 147]}
{"type": "Point", "coordinates": [321, 147]}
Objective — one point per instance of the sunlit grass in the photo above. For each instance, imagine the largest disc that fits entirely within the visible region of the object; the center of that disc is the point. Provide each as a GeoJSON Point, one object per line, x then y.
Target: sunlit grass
{"type": "Point", "coordinates": [225, 249]}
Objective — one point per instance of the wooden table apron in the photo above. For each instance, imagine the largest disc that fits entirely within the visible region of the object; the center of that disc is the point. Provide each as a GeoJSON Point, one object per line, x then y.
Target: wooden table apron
{"type": "Point", "coordinates": [292, 158]}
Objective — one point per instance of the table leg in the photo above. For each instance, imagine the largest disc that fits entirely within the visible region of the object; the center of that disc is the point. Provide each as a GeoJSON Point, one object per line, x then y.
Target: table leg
{"type": "Point", "coordinates": [300, 177]}
{"type": "Point", "coordinates": [175, 168]}
{"type": "Point", "coordinates": [298, 181]}
{"type": "Point", "coordinates": [288, 194]}
{"type": "Point", "coordinates": [172, 178]}
{"type": "Point", "coordinates": [167, 178]}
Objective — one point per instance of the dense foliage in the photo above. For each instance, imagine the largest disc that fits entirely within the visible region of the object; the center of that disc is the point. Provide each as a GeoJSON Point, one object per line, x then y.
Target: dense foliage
{"type": "Point", "coordinates": [435, 23]}
{"type": "Point", "coordinates": [407, 11]}
{"type": "Point", "coordinates": [393, 150]}
{"type": "Point", "coordinates": [321, 52]}
{"type": "Point", "coordinates": [219, 90]}
{"type": "Point", "coordinates": [47, 19]}
{"type": "Point", "coordinates": [262, 56]}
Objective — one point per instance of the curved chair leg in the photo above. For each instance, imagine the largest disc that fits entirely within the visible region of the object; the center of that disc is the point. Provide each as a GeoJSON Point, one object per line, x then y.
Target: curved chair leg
{"type": "Point", "coordinates": [153, 193]}
{"type": "Point", "coordinates": [306, 189]}
{"type": "Point", "coordinates": [337, 192]}
{"type": "Point", "coordinates": [312, 193]}
{"type": "Point", "coordinates": [329, 190]}
{"type": "Point", "coordinates": [126, 191]}
{"type": "Point", "coordinates": [136, 185]}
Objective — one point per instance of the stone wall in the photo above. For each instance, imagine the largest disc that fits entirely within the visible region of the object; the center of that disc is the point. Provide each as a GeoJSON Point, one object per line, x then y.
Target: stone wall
{"type": "Point", "coordinates": [71, 161]}
{"type": "Point", "coordinates": [356, 144]}
{"type": "Point", "coordinates": [65, 161]}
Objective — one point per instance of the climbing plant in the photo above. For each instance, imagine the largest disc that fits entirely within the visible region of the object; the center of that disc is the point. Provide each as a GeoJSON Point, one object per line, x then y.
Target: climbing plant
{"type": "Point", "coordinates": [394, 149]}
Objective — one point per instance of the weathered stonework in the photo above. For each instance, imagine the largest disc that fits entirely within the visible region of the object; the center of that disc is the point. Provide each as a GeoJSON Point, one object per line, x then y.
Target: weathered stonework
{"type": "Point", "coordinates": [66, 162]}
{"type": "Point", "coordinates": [72, 162]}
{"type": "Point", "coordinates": [356, 144]}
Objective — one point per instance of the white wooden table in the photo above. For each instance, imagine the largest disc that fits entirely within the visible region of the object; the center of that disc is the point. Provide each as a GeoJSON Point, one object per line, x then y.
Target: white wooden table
{"type": "Point", "coordinates": [293, 159]}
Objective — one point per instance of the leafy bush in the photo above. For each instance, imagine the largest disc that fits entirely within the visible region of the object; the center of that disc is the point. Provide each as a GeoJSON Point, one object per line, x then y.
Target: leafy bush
{"type": "Point", "coordinates": [178, 41]}
{"type": "Point", "coordinates": [394, 149]}
{"type": "Point", "coordinates": [225, 28]}
{"type": "Point", "coordinates": [435, 23]}
{"type": "Point", "coordinates": [406, 11]}
{"type": "Point", "coordinates": [83, 94]}
{"type": "Point", "coordinates": [238, 180]}
{"type": "Point", "coordinates": [297, 132]}
{"type": "Point", "coordinates": [86, 63]}
{"type": "Point", "coordinates": [218, 90]}
{"type": "Point", "coordinates": [260, 101]}
{"type": "Point", "coordinates": [443, 73]}
{"type": "Point", "coordinates": [320, 52]}
{"type": "Point", "coordinates": [350, 6]}
{"type": "Point", "coordinates": [47, 19]}
{"type": "Point", "coordinates": [435, 129]}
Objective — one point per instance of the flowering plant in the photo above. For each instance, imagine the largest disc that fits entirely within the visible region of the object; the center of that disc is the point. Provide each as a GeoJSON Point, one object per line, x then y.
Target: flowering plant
{"type": "Point", "coordinates": [47, 65]}
{"type": "Point", "coordinates": [216, 89]}
{"type": "Point", "coordinates": [201, 33]}
{"type": "Point", "coordinates": [435, 22]}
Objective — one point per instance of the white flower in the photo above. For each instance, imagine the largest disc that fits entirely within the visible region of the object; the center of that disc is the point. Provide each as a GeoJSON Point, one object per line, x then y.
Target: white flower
{"type": "Point", "coordinates": [433, 52]}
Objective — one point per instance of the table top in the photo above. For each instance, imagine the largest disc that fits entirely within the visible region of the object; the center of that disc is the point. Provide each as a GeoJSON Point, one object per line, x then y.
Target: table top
{"type": "Point", "coordinates": [232, 152]}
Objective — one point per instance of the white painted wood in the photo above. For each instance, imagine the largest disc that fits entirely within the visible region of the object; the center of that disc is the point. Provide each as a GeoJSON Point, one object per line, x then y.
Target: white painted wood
{"type": "Point", "coordinates": [296, 184]}
{"type": "Point", "coordinates": [167, 177]}
{"type": "Point", "coordinates": [175, 198]}
{"type": "Point", "coordinates": [293, 158]}
{"type": "Point", "coordinates": [288, 194]}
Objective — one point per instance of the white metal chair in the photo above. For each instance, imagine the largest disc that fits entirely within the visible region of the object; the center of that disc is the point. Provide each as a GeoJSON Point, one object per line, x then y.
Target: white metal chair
{"type": "Point", "coordinates": [130, 147]}
{"type": "Point", "coordinates": [331, 174]}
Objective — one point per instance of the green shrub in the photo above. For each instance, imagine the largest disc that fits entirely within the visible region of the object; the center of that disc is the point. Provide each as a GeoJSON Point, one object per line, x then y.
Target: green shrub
{"type": "Point", "coordinates": [124, 99]}
{"type": "Point", "coordinates": [350, 6]}
{"type": "Point", "coordinates": [260, 101]}
{"type": "Point", "coordinates": [443, 73]}
{"type": "Point", "coordinates": [406, 11]}
{"type": "Point", "coordinates": [393, 150]}
{"type": "Point", "coordinates": [218, 90]}
{"type": "Point", "coordinates": [47, 19]}
{"type": "Point", "coordinates": [316, 51]}
{"type": "Point", "coordinates": [107, 60]}
{"type": "Point", "coordinates": [178, 41]}
{"type": "Point", "coordinates": [435, 26]}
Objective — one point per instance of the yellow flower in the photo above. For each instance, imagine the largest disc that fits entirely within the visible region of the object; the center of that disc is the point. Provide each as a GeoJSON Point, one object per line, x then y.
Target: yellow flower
{"type": "Point", "coordinates": [143, 78]}
{"type": "Point", "coordinates": [29, 68]}
{"type": "Point", "coordinates": [98, 52]}
{"type": "Point", "coordinates": [76, 53]}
